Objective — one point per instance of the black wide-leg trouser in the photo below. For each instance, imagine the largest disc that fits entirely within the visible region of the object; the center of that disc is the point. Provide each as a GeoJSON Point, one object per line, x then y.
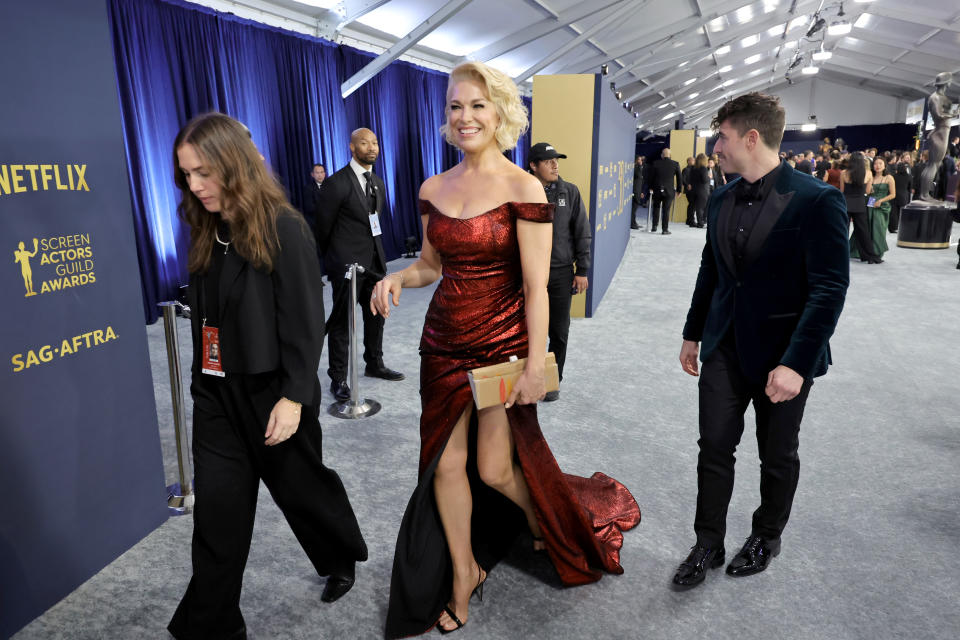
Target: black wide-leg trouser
{"type": "Point", "coordinates": [724, 395]}
{"type": "Point", "coordinates": [229, 420]}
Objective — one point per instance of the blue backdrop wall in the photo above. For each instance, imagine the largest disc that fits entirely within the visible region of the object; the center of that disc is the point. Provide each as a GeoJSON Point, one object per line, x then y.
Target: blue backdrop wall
{"type": "Point", "coordinates": [614, 144]}
{"type": "Point", "coordinates": [176, 60]}
{"type": "Point", "coordinates": [80, 458]}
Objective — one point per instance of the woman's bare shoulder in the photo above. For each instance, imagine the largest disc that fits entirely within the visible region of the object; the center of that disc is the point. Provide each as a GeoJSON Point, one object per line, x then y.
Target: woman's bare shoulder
{"type": "Point", "coordinates": [433, 185]}
{"type": "Point", "coordinates": [524, 186]}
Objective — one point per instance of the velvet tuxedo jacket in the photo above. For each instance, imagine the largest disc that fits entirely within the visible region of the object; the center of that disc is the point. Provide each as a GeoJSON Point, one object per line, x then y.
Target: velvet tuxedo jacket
{"type": "Point", "coordinates": [343, 224]}
{"type": "Point", "coordinates": [270, 322]}
{"type": "Point", "coordinates": [784, 301]}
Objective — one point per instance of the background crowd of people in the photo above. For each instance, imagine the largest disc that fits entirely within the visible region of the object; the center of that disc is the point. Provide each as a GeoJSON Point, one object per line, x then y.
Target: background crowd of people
{"type": "Point", "coordinates": [876, 186]}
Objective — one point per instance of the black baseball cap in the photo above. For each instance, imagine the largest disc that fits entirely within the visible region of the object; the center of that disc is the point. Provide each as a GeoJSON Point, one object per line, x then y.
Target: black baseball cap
{"type": "Point", "coordinates": [543, 151]}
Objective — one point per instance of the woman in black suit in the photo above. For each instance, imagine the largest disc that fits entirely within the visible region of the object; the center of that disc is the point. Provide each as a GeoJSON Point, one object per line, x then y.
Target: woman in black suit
{"type": "Point", "coordinates": [255, 295]}
{"type": "Point", "coordinates": [700, 175]}
{"type": "Point", "coordinates": [857, 182]}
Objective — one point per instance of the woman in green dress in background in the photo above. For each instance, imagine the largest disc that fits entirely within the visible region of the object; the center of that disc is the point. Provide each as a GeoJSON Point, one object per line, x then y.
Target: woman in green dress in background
{"type": "Point", "coordinates": [883, 190]}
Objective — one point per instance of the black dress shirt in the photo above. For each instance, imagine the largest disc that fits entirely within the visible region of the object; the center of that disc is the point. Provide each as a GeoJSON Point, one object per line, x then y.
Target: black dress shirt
{"type": "Point", "coordinates": [749, 197]}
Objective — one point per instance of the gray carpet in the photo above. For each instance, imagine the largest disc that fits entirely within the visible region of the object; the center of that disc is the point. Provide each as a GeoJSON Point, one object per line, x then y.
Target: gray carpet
{"type": "Point", "coordinates": [870, 551]}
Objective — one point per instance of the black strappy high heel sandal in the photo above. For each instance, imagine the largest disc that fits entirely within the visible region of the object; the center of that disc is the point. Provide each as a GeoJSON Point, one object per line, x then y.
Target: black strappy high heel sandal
{"type": "Point", "coordinates": [477, 591]}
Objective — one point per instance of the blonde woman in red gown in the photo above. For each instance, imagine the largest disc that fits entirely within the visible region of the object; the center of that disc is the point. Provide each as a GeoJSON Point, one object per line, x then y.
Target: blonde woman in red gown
{"type": "Point", "coordinates": [487, 475]}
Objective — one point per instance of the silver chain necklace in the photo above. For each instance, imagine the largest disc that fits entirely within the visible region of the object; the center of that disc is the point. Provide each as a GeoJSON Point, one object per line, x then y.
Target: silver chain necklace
{"type": "Point", "coordinates": [216, 235]}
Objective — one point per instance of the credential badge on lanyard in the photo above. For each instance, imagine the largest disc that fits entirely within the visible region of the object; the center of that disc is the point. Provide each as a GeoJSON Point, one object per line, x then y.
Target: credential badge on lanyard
{"type": "Point", "coordinates": [211, 362]}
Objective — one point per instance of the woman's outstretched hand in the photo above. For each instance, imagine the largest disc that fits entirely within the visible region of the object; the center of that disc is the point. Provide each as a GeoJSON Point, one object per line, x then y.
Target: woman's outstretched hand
{"type": "Point", "coordinates": [387, 288]}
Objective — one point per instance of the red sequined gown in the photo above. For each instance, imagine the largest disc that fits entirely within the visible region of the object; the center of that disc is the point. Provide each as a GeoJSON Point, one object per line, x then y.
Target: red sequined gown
{"type": "Point", "coordinates": [476, 318]}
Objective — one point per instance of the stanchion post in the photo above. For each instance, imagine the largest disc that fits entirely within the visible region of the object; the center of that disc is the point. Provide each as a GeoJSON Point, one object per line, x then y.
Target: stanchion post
{"type": "Point", "coordinates": [180, 495]}
{"type": "Point", "coordinates": [354, 407]}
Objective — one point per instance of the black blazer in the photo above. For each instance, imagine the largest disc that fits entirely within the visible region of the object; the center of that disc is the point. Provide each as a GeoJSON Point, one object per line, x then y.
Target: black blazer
{"type": "Point", "coordinates": [699, 181]}
{"type": "Point", "coordinates": [343, 224]}
{"type": "Point", "coordinates": [664, 174]}
{"type": "Point", "coordinates": [785, 300]}
{"type": "Point", "coordinates": [271, 322]}
{"type": "Point", "coordinates": [311, 201]}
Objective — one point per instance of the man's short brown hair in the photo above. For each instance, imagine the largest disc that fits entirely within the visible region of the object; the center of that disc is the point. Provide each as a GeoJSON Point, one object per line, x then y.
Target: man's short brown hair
{"type": "Point", "coordinates": [754, 111]}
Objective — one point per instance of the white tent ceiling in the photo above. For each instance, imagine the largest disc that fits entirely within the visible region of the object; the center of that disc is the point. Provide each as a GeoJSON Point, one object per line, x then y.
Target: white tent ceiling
{"type": "Point", "coordinates": [665, 56]}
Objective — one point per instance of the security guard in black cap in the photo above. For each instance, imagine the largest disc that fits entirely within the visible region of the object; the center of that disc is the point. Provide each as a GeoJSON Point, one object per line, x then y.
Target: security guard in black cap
{"type": "Point", "coordinates": [571, 246]}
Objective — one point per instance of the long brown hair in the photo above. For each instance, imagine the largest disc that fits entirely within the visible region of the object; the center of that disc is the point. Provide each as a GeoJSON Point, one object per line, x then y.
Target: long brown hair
{"type": "Point", "coordinates": [249, 192]}
{"type": "Point", "coordinates": [701, 160]}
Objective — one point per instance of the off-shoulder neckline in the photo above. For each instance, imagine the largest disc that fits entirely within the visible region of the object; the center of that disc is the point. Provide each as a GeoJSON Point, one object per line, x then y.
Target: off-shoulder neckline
{"type": "Point", "coordinates": [480, 215]}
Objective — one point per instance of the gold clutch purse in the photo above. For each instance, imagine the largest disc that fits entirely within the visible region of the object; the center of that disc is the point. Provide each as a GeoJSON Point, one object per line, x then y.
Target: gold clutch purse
{"type": "Point", "coordinates": [492, 385]}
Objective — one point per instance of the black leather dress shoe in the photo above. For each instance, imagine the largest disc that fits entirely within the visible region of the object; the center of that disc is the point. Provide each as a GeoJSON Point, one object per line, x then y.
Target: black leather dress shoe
{"type": "Point", "coordinates": [666, 233]}
{"type": "Point", "coordinates": [634, 226]}
{"type": "Point", "coordinates": [754, 556]}
{"type": "Point", "coordinates": [340, 390]}
{"type": "Point", "coordinates": [381, 371]}
{"type": "Point", "coordinates": [552, 396]}
{"type": "Point", "coordinates": [693, 570]}
{"type": "Point", "coordinates": [337, 587]}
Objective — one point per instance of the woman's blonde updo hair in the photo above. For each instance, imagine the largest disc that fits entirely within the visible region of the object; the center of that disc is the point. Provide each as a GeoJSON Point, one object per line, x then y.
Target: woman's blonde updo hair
{"type": "Point", "coordinates": [502, 92]}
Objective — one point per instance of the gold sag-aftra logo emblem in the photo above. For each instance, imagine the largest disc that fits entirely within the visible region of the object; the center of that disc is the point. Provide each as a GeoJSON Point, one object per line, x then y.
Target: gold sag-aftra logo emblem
{"type": "Point", "coordinates": [65, 262]}
{"type": "Point", "coordinates": [23, 256]}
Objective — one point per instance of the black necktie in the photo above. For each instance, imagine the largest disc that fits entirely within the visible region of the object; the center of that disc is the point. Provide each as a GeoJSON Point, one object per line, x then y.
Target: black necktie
{"type": "Point", "coordinates": [370, 192]}
{"type": "Point", "coordinates": [748, 191]}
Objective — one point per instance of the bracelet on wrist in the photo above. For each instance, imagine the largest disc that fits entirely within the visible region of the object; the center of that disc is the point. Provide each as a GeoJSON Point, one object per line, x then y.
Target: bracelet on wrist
{"type": "Point", "coordinates": [399, 273]}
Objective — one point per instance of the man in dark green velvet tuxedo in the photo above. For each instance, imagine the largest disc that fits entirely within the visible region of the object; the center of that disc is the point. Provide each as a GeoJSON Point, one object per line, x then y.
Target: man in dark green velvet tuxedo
{"type": "Point", "coordinates": [771, 286]}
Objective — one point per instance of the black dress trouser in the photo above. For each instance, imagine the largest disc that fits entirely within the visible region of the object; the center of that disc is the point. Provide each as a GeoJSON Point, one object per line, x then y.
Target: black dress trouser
{"type": "Point", "coordinates": [229, 420]}
{"type": "Point", "coordinates": [894, 223]}
{"type": "Point", "coordinates": [724, 395]}
{"type": "Point", "coordinates": [863, 236]}
{"type": "Point", "coordinates": [560, 293]}
{"type": "Point", "coordinates": [662, 202]}
{"type": "Point", "coordinates": [338, 325]}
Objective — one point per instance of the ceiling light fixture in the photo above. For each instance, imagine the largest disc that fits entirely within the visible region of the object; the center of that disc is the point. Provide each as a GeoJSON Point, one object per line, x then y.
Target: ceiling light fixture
{"type": "Point", "coordinates": [752, 59]}
{"type": "Point", "coordinates": [724, 50]}
{"type": "Point", "coordinates": [818, 24]}
{"type": "Point", "coordinates": [810, 70]}
{"type": "Point", "coordinates": [822, 55]}
{"type": "Point", "coordinates": [689, 82]}
{"type": "Point", "coordinates": [839, 27]}
{"type": "Point", "coordinates": [810, 126]}
{"type": "Point", "coordinates": [724, 68]}
{"type": "Point", "coordinates": [619, 95]}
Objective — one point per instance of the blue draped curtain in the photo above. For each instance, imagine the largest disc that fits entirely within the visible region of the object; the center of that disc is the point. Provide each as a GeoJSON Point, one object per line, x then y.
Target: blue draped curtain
{"type": "Point", "coordinates": [176, 60]}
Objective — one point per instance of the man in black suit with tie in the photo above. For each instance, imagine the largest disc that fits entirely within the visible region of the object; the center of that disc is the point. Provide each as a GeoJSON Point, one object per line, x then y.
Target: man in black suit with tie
{"type": "Point", "coordinates": [348, 231]}
{"type": "Point", "coordinates": [311, 194]}
{"type": "Point", "coordinates": [665, 181]}
{"type": "Point", "coordinates": [772, 282]}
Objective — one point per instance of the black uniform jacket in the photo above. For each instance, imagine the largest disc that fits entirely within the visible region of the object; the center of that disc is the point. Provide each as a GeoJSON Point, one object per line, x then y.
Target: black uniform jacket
{"type": "Point", "coordinates": [311, 199]}
{"type": "Point", "coordinates": [343, 224]}
{"type": "Point", "coordinates": [665, 176]}
{"type": "Point", "coordinates": [271, 322]}
{"type": "Point", "coordinates": [786, 298]}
